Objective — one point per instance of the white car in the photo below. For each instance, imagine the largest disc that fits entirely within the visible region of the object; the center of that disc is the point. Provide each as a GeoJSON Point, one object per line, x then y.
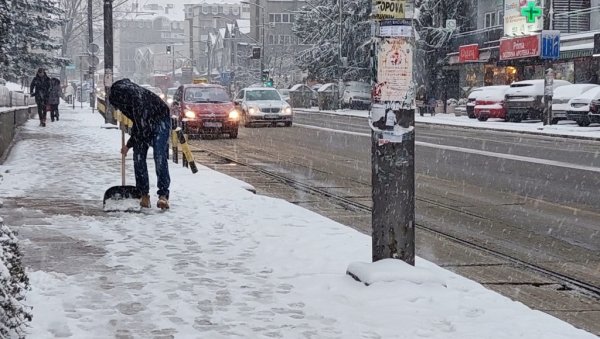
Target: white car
{"type": "Point", "coordinates": [561, 97]}
{"type": "Point", "coordinates": [579, 106]}
{"type": "Point", "coordinates": [263, 105]}
{"type": "Point", "coordinates": [525, 99]}
{"type": "Point", "coordinates": [356, 95]}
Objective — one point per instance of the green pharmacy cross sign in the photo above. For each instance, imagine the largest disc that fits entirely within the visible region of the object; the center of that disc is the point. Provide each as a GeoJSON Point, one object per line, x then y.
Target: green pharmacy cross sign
{"type": "Point", "coordinates": [531, 12]}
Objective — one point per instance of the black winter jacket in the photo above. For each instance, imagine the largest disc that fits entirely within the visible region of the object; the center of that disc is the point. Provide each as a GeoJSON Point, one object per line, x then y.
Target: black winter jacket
{"type": "Point", "coordinates": [40, 86]}
{"type": "Point", "coordinates": [146, 109]}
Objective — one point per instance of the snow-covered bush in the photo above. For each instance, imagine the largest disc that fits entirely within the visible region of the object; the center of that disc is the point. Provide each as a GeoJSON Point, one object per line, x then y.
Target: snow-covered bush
{"type": "Point", "coordinates": [452, 102]}
{"type": "Point", "coordinates": [462, 101]}
{"type": "Point", "coordinates": [14, 315]}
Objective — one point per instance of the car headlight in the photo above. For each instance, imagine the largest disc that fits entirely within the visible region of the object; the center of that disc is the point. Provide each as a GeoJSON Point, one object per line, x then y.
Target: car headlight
{"type": "Point", "coordinates": [253, 110]}
{"type": "Point", "coordinates": [162, 96]}
{"type": "Point", "coordinates": [169, 101]}
{"type": "Point", "coordinates": [190, 114]}
{"type": "Point", "coordinates": [287, 109]}
{"type": "Point", "coordinates": [234, 115]}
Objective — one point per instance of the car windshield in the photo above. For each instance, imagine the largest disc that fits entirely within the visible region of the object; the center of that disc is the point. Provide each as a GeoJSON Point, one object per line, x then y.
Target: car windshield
{"type": "Point", "coordinates": [359, 87]}
{"type": "Point", "coordinates": [206, 94]}
{"type": "Point", "coordinates": [258, 95]}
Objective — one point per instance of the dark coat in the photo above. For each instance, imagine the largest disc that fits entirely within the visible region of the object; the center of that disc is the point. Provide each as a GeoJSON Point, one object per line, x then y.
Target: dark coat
{"type": "Point", "coordinates": [146, 109]}
{"type": "Point", "coordinates": [54, 92]}
{"type": "Point", "coordinates": [40, 86]}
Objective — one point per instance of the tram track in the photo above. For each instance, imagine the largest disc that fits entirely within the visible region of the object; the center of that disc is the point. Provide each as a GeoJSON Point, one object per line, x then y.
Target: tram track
{"type": "Point", "coordinates": [567, 282]}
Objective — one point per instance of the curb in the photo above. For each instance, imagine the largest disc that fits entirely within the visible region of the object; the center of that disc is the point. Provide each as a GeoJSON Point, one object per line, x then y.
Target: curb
{"type": "Point", "coordinates": [541, 133]}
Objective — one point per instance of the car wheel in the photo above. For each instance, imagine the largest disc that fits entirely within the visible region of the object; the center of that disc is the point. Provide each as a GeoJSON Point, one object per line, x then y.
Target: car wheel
{"type": "Point", "coordinates": [482, 118]}
{"type": "Point", "coordinates": [472, 116]}
{"type": "Point", "coordinates": [246, 121]}
{"type": "Point", "coordinates": [554, 121]}
{"type": "Point", "coordinates": [233, 134]}
{"type": "Point", "coordinates": [288, 124]}
{"type": "Point", "coordinates": [516, 118]}
{"type": "Point", "coordinates": [583, 122]}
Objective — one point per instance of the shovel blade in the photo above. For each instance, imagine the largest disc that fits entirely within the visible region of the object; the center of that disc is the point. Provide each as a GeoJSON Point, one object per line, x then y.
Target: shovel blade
{"type": "Point", "coordinates": [122, 198]}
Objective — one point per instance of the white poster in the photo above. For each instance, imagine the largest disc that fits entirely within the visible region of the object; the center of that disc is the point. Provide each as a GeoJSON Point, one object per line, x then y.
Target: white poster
{"type": "Point", "coordinates": [394, 70]}
{"type": "Point", "coordinates": [516, 24]}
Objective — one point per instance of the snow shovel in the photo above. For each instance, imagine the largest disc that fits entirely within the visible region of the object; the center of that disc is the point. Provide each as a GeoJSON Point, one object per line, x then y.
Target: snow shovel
{"type": "Point", "coordinates": [122, 198]}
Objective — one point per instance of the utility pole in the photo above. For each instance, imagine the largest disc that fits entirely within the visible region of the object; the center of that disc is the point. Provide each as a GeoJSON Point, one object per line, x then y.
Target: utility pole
{"type": "Point", "coordinates": [262, 50]}
{"type": "Point", "coordinates": [392, 120]}
{"type": "Point", "coordinates": [108, 57]}
{"type": "Point", "coordinates": [81, 80]}
{"type": "Point", "coordinates": [549, 73]}
{"type": "Point", "coordinates": [90, 42]}
{"type": "Point", "coordinates": [173, 51]}
{"type": "Point", "coordinates": [340, 62]}
{"type": "Point", "coordinates": [209, 49]}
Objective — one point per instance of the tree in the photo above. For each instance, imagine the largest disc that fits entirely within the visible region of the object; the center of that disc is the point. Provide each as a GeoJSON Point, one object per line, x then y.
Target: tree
{"type": "Point", "coordinates": [433, 38]}
{"type": "Point", "coordinates": [28, 25]}
{"type": "Point", "coordinates": [317, 26]}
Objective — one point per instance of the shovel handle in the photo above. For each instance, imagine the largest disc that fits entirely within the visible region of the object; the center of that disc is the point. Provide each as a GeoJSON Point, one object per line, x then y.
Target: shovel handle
{"type": "Point", "coordinates": [122, 157]}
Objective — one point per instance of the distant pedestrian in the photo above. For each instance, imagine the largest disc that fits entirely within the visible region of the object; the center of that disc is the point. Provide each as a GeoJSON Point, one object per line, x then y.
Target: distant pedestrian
{"type": "Point", "coordinates": [151, 128]}
{"type": "Point", "coordinates": [69, 92]}
{"type": "Point", "coordinates": [40, 87]}
{"type": "Point", "coordinates": [54, 98]}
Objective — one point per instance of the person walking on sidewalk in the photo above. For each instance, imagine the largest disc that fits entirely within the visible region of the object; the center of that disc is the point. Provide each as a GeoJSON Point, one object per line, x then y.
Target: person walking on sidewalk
{"type": "Point", "coordinates": [54, 98]}
{"type": "Point", "coordinates": [151, 128]}
{"type": "Point", "coordinates": [40, 86]}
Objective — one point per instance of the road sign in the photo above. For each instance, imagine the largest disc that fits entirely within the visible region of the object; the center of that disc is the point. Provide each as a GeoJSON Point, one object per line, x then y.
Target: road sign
{"type": "Point", "coordinates": [93, 48]}
{"type": "Point", "coordinates": [94, 60]}
{"type": "Point", "coordinates": [550, 45]}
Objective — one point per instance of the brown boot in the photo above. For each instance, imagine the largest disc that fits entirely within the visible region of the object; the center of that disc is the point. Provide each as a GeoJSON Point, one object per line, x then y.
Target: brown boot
{"type": "Point", "coordinates": [145, 201]}
{"type": "Point", "coordinates": [163, 203]}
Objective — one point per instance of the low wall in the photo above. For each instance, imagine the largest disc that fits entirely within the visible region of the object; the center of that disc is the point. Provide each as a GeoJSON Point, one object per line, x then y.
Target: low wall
{"type": "Point", "coordinates": [10, 119]}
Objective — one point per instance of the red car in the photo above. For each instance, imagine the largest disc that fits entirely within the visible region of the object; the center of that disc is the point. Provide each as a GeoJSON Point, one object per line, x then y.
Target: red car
{"type": "Point", "coordinates": [490, 103]}
{"type": "Point", "coordinates": [205, 109]}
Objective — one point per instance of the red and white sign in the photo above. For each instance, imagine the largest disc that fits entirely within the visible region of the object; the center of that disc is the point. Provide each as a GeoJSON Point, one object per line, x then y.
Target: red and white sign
{"type": "Point", "coordinates": [468, 53]}
{"type": "Point", "coordinates": [523, 47]}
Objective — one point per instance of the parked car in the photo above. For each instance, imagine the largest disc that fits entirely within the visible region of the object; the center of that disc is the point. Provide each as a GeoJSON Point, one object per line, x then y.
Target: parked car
{"type": "Point", "coordinates": [170, 93]}
{"type": "Point", "coordinates": [580, 107]}
{"type": "Point", "coordinates": [205, 109]}
{"type": "Point", "coordinates": [490, 103]}
{"type": "Point", "coordinates": [285, 94]}
{"type": "Point", "coordinates": [356, 94]}
{"type": "Point", "coordinates": [561, 97]}
{"type": "Point", "coordinates": [471, 98]}
{"type": "Point", "coordinates": [595, 111]}
{"type": "Point", "coordinates": [263, 105]}
{"type": "Point", "coordinates": [524, 99]}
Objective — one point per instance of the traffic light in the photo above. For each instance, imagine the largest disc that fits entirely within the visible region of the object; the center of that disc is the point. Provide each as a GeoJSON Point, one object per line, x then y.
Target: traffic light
{"type": "Point", "coordinates": [168, 49]}
{"type": "Point", "coordinates": [269, 82]}
{"type": "Point", "coordinates": [256, 53]}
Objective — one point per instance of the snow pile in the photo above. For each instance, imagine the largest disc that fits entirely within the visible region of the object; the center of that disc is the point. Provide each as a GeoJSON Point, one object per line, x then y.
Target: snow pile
{"type": "Point", "coordinates": [13, 283]}
{"type": "Point", "coordinates": [391, 270]}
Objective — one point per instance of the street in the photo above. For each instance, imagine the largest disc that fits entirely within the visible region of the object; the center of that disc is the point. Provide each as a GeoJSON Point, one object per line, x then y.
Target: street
{"type": "Point", "coordinates": [527, 197]}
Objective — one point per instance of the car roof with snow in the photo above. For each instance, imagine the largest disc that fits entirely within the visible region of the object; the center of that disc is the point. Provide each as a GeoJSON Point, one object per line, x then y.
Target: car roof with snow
{"type": "Point", "coordinates": [587, 96]}
{"type": "Point", "coordinates": [571, 91]}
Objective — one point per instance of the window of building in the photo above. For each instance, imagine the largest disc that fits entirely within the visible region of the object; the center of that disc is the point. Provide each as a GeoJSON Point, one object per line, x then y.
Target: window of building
{"type": "Point", "coordinates": [281, 18]}
{"type": "Point", "coordinates": [500, 18]}
{"type": "Point", "coordinates": [271, 40]}
{"type": "Point", "coordinates": [220, 10]}
{"type": "Point", "coordinates": [490, 19]}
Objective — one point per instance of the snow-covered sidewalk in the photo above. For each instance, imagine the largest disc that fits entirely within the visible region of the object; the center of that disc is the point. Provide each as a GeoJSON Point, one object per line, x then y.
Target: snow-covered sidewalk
{"type": "Point", "coordinates": [563, 128]}
{"type": "Point", "coordinates": [222, 263]}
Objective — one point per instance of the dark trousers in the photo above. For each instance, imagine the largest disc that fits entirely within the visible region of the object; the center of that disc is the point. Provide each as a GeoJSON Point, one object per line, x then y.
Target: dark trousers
{"type": "Point", "coordinates": [41, 111]}
{"type": "Point", "coordinates": [160, 146]}
{"type": "Point", "coordinates": [54, 112]}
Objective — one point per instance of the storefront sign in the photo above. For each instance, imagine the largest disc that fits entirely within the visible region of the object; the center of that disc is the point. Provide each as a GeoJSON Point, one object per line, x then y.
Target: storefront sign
{"type": "Point", "coordinates": [550, 45]}
{"type": "Point", "coordinates": [517, 48]}
{"type": "Point", "coordinates": [597, 44]}
{"type": "Point", "coordinates": [514, 21]}
{"type": "Point", "coordinates": [394, 70]}
{"type": "Point", "coordinates": [531, 12]}
{"type": "Point", "coordinates": [388, 9]}
{"type": "Point", "coordinates": [468, 53]}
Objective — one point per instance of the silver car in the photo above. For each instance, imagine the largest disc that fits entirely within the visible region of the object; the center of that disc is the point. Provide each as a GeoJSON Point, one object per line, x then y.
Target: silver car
{"type": "Point", "coordinates": [263, 105]}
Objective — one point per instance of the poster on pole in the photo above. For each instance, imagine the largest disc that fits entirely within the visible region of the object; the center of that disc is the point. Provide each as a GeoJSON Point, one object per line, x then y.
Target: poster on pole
{"type": "Point", "coordinates": [394, 70]}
